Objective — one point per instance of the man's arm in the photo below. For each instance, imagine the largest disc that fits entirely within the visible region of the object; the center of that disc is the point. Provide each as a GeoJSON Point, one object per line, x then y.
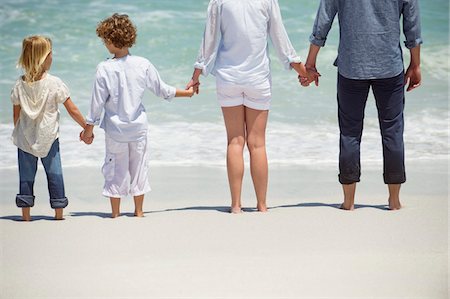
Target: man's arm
{"type": "Point", "coordinates": [413, 74]}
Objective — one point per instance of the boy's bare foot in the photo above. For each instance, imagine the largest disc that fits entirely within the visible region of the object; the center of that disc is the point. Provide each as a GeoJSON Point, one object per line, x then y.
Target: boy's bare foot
{"type": "Point", "coordinates": [347, 207]}
{"type": "Point", "coordinates": [26, 214]}
{"type": "Point", "coordinates": [138, 213]}
{"type": "Point", "coordinates": [59, 214]}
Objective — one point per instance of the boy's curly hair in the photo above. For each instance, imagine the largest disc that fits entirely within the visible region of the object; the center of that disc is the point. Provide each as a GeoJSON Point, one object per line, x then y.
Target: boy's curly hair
{"type": "Point", "coordinates": [118, 30]}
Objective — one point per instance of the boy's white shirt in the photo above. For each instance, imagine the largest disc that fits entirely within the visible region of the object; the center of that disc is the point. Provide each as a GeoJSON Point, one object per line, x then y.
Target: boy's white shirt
{"type": "Point", "coordinates": [38, 124]}
{"type": "Point", "coordinates": [118, 90]}
{"type": "Point", "coordinates": [235, 42]}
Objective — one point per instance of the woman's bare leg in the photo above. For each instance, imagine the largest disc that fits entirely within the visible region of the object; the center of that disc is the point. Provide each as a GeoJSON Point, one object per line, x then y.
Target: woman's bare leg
{"type": "Point", "coordinates": [256, 122]}
{"type": "Point", "coordinates": [234, 118]}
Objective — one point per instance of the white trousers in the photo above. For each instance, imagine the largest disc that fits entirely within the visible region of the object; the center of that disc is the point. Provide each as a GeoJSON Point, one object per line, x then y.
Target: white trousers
{"type": "Point", "coordinates": [126, 168]}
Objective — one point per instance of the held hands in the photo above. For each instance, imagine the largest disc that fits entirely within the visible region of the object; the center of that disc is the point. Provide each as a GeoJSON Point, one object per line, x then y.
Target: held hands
{"type": "Point", "coordinates": [194, 84]}
{"type": "Point", "coordinates": [86, 138]}
{"type": "Point", "coordinates": [311, 75]}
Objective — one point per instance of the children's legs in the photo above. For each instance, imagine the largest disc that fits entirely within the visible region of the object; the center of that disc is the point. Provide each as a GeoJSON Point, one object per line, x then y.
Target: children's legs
{"type": "Point", "coordinates": [138, 203]}
{"type": "Point", "coordinates": [55, 181]}
{"type": "Point", "coordinates": [394, 196]}
{"type": "Point", "coordinates": [349, 196]}
{"type": "Point", "coordinates": [26, 214]}
{"type": "Point", "coordinates": [234, 118]}
{"type": "Point", "coordinates": [27, 173]}
{"type": "Point", "coordinates": [139, 174]}
{"type": "Point", "coordinates": [256, 121]}
{"type": "Point", "coordinates": [115, 206]}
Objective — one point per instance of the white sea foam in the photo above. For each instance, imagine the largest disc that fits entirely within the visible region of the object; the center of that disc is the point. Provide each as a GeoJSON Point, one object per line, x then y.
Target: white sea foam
{"type": "Point", "coordinates": [204, 143]}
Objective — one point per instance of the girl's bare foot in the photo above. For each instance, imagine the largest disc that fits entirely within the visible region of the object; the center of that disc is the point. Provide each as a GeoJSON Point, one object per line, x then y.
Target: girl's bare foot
{"type": "Point", "coordinates": [59, 214]}
{"type": "Point", "coordinates": [26, 214]}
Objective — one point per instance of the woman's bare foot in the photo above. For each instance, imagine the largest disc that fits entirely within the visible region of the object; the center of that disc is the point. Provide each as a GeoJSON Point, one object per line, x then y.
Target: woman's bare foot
{"type": "Point", "coordinates": [26, 214]}
{"type": "Point", "coordinates": [261, 208]}
{"type": "Point", "coordinates": [236, 210]}
{"type": "Point", "coordinates": [59, 214]}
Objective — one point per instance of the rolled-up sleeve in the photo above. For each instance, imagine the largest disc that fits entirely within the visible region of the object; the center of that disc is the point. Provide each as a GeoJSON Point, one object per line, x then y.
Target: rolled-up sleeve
{"type": "Point", "coordinates": [100, 95]}
{"type": "Point", "coordinates": [411, 23]}
{"type": "Point", "coordinates": [280, 40]}
{"type": "Point", "coordinates": [324, 19]}
{"type": "Point", "coordinates": [157, 85]}
{"type": "Point", "coordinates": [211, 38]}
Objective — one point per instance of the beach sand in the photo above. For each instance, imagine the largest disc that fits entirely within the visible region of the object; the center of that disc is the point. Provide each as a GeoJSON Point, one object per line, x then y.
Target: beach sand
{"type": "Point", "coordinates": [188, 246]}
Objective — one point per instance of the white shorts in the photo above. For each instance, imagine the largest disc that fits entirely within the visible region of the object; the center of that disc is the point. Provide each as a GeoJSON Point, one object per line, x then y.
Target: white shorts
{"type": "Point", "coordinates": [126, 168]}
{"type": "Point", "coordinates": [256, 97]}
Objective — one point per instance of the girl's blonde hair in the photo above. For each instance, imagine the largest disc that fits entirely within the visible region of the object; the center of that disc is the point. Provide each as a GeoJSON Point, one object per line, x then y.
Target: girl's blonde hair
{"type": "Point", "coordinates": [35, 50]}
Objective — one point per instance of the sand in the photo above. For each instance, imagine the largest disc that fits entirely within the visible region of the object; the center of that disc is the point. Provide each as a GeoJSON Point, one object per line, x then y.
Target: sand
{"type": "Point", "coordinates": [188, 246]}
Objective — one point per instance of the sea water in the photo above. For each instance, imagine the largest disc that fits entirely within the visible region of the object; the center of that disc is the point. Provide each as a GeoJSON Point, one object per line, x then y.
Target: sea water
{"type": "Point", "coordinates": [302, 128]}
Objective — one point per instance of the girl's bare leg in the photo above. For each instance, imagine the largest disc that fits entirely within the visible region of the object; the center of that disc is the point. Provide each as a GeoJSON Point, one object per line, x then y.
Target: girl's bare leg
{"type": "Point", "coordinates": [26, 214]}
{"type": "Point", "coordinates": [59, 214]}
{"type": "Point", "coordinates": [138, 203]}
{"type": "Point", "coordinates": [256, 121]}
{"type": "Point", "coordinates": [234, 118]}
{"type": "Point", "coordinates": [115, 206]}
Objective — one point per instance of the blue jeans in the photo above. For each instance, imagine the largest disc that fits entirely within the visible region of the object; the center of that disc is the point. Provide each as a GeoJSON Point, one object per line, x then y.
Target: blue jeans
{"type": "Point", "coordinates": [390, 100]}
{"type": "Point", "coordinates": [53, 170]}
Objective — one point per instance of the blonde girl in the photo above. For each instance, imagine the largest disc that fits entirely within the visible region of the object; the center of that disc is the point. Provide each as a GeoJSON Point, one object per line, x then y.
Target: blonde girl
{"type": "Point", "coordinates": [35, 97]}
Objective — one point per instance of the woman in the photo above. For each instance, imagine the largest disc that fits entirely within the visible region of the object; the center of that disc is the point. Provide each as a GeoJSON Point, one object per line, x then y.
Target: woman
{"type": "Point", "coordinates": [235, 50]}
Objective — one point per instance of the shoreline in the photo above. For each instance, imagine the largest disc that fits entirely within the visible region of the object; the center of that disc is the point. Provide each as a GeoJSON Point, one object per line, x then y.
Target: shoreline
{"type": "Point", "coordinates": [189, 246]}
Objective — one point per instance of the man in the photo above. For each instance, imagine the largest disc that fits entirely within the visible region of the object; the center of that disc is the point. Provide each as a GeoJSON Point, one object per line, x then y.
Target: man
{"type": "Point", "coordinates": [370, 55]}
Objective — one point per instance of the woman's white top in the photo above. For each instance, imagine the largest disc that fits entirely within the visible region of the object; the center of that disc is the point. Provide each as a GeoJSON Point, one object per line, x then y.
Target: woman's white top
{"type": "Point", "coordinates": [235, 41]}
{"type": "Point", "coordinates": [119, 87]}
{"type": "Point", "coordinates": [38, 124]}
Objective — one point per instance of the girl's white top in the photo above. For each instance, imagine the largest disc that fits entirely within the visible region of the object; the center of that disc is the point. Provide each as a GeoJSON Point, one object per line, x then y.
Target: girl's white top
{"type": "Point", "coordinates": [119, 87]}
{"type": "Point", "coordinates": [38, 124]}
{"type": "Point", "coordinates": [235, 41]}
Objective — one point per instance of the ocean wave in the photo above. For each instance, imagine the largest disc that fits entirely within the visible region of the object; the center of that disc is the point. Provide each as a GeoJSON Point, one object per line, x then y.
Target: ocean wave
{"type": "Point", "coordinates": [204, 143]}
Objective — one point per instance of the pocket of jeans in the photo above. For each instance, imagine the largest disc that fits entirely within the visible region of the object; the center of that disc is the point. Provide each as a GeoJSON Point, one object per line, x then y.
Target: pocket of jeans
{"type": "Point", "coordinates": [108, 167]}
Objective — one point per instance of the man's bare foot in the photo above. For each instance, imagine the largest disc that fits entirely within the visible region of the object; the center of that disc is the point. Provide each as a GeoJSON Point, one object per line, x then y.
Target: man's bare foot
{"type": "Point", "coordinates": [115, 215]}
{"type": "Point", "coordinates": [59, 214]}
{"type": "Point", "coordinates": [394, 204]}
{"type": "Point", "coordinates": [262, 208]}
{"type": "Point", "coordinates": [138, 213]}
{"type": "Point", "coordinates": [26, 214]}
{"type": "Point", "coordinates": [347, 207]}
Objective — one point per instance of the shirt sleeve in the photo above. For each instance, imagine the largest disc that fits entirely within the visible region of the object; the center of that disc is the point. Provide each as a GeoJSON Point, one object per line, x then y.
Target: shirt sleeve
{"type": "Point", "coordinates": [15, 94]}
{"type": "Point", "coordinates": [157, 85]}
{"type": "Point", "coordinates": [324, 20]}
{"type": "Point", "coordinates": [280, 40]}
{"type": "Point", "coordinates": [100, 95]}
{"type": "Point", "coordinates": [211, 38]}
{"type": "Point", "coordinates": [62, 93]}
{"type": "Point", "coordinates": [411, 23]}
